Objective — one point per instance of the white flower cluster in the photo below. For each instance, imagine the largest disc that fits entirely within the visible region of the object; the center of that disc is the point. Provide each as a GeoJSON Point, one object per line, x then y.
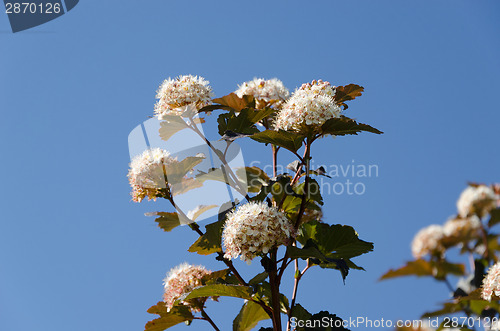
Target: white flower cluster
{"type": "Point", "coordinates": [428, 241]}
{"type": "Point", "coordinates": [147, 174]}
{"type": "Point", "coordinates": [310, 106]}
{"type": "Point", "coordinates": [462, 228]}
{"type": "Point", "coordinates": [434, 239]}
{"type": "Point", "coordinates": [255, 228]}
{"type": "Point", "coordinates": [181, 280]}
{"type": "Point", "coordinates": [491, 283]}
{"type": "Point", "coordinates": [479, 200]}
{"type": "Point", "coordinates": [182, 94]}
{"type": "Point", "coordinates": [266, 90]}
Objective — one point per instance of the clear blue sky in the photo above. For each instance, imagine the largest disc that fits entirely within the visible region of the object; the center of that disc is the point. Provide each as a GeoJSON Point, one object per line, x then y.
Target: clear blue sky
{"type": "Point", "coordinates": [76, 253]}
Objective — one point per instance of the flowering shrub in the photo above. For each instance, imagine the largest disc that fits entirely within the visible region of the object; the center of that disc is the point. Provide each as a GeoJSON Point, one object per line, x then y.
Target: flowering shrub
{"type": "Point", "coordinates": [280, 221]}
{"type": "Point", "coordinates": [476, 292]}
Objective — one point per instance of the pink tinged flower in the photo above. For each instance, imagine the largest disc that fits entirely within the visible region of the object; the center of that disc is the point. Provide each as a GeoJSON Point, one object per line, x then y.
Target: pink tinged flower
{"type": "Point", "coordinates": [147, 174]}
{"type": "Point", "coordinates": [253, 229]}
{"type": "Point", "coordinates": [184, 95]}
{"type": "Point", "coordinates": [428, 241]}
{"type": "Point", "coordinates": [271, 90]}
{"type": "Point", "coordinates": [476, 200]}
{"type": "Point", "coordinates": [491, 283]}
{"type": "Point", "coordinates": [182, 280]}
{"type": "Point", "coordinates": [310, 106]}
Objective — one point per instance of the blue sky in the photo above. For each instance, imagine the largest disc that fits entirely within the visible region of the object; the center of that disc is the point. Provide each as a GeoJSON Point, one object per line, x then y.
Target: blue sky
{"type": "Point", "coordinates": [75, 251]}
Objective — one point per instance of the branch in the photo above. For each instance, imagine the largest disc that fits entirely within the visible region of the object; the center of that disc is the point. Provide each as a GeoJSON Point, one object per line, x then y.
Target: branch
{"type": "Point", "coordinates": [208, 319]}
{"type": "Point", "coordinates": [295, 288]}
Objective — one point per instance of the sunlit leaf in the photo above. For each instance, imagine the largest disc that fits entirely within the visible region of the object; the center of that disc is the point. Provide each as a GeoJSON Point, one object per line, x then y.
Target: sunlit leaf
{"type": "Point", "coordinates": [313, 191]}
{"type": "Point", "coordinates": [277, 186]}
{"type": "Point", "coordinates": [235, 102]}
{"type": "Point", "coordinates": [259, 278]}
{"type": "Point", "coordinates": [167, 221]}
{"type": "Point", "coordinates": [346, 93]}
{"type": "Point", "coordinates": [214, 276]}
{"type": "Point", "coordinates": [210, 242]}
{"type": "Point", "coordinates": [423, 267]}
{"type": "Point", "coordinates": [167, 319]}
{"type": "Point", "coordinates": [249, 316]}
{"type": "Point", "coordinates": [222, 290]}
{"type": "Point", "coordinates": [254, 176]}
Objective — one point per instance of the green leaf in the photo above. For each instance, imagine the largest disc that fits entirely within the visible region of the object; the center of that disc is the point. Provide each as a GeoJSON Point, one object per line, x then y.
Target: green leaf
{"type": "Point", "coordinates": [494, 217]}
{"type": "Point", "coordinates": [254, 177]}
{"type": "Point", "coordinates": [170, 126]}
{"type": "Point", "coordinates": [255, 116]}
{"type": "Point", "coordinates": [263, 293]}
{"type": "Point", "coordinates": [311, 251]}
{"type": "Point", "coordinates": [259, 278]}
{"type": "Point", "coordinates": [313, 191]}
{"type": "Point", "coordinates": [300, 313]}
{"type": "Point", "coordinates": [229, 122]}
{"type": "Point", "coordinates": [344, 126]}
{"type": "Point", "coordinates": [318, 318]}
{"type": "Point", "coordinates": [278, 186]}
{"type": "Point", "coordinates": [242, 123]}
{"type": "Point", "coordinates": [210, 242]}
{"type": "Point", "coordinates": [215, 276]}
{"type": "Point", "coordinates": [249, 316]}
{"type": "Point", "coordinates": [176, 315]}
{"type": "Point", "coordinates": [291, 205]}
{"type": "Point", "coordinates": [220, 290]}
{"type": "Point", "coordinates": [285, 139]}
{"type": "Point", "coordinates": [305, 253]}
{"type": "Point", "coordinates": [422, 268]}
{"type": "Point", "coordinates": [167, 221]}
{"type": "Point", "coordinates": [235, 102]}
{"type": "Point", "coordinates": [335, 241]}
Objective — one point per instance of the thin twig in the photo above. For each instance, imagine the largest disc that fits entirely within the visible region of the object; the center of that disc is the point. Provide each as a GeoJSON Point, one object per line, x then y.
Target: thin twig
{"type": "Point", "coordinates": [234, 178]}
{"type": "Point", "coordinates": [295, 288]}
{"type": "Point", "coordinates": [208, 319]}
